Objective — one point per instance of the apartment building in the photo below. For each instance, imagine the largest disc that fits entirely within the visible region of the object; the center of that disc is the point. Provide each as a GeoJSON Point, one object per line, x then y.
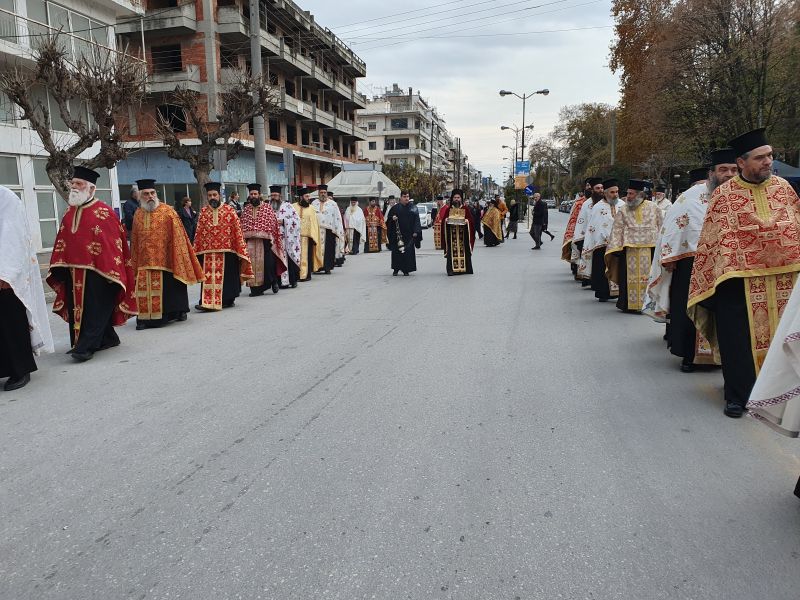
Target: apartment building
{"type": "Point", "coordinates": [84, 25]}
{"type": "Point", "coordinates": [195, 43]}
{"type": "Point", "coordinates": [402, 128]}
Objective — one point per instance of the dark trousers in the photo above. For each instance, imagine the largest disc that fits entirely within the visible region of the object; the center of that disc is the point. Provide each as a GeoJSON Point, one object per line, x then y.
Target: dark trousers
{"type": "Point", "coordinates": [356, 242]}
{"type": "Point", "coordinates": [16, 353]}
{"type": "Point", "coordinates": [733, 334]}
{"type": "Point", "coordinates": [536, 234]}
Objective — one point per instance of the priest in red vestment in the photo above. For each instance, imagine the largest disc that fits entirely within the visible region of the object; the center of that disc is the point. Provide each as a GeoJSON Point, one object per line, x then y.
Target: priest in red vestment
{"type": "Point", "coordinates": [264, 243]}
{"type": "Point", "coordinates": [220, 247]}
{"type": "Point", "coordinates": [90, 270]}
{"type": "Point", "coordinates": [745, 266]}
{"type": "Point", "coordinates": [376, 227]}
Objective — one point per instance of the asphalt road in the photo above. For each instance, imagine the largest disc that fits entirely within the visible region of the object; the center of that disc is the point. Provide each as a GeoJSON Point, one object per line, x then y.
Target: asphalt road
{"type": "Point", "coordinates": [499, 436]}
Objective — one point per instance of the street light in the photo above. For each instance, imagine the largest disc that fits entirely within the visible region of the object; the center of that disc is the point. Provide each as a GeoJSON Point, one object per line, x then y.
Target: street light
{"type": "Point", "coordinates": [524, 98]}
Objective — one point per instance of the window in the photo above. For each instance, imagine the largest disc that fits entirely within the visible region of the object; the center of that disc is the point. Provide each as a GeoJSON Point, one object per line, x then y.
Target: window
{"type": "Point", "coordinates": [401, 144]}
{"type": "Point", "coordinates": [289, 88]}
{"type": "Point", "coordinates": [291, 134]}
{"type": "Point", "coordinates": [417, 124]}
{"type": "Point", "coordinates": [274, 130]}
{"type": "Point", "coordinates": [304, 137]}
{"type": "Point", "coordinates": [399, 123]}
{"type": "Point", "coordinates": [372, 125]}
{"type": "Point", "coordinates": [173, 115]}
{"type": "Point", "coordinates": [228, 57]}
{"type": "Point", "coordinates": [373, 145]}
{"type": "Point", "coordinates": [167, 59]}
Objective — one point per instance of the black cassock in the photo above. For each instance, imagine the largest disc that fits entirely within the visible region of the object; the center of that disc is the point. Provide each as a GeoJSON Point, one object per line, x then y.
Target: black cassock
{"type": "Point", "coordinates": [99, 301]}
{"type": "Point", "coordinates": [682, 335]}
{"type": "Point", "coordinates": [408, 222]}
{"type": "Point", "coordinates": [599, 280]}
{"type": "Point", "coordinates": [16, 353]}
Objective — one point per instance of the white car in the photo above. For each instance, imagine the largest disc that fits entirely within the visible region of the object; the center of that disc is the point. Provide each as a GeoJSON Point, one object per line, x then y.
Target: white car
{"type": "Point", "coordinates": [424, 216]}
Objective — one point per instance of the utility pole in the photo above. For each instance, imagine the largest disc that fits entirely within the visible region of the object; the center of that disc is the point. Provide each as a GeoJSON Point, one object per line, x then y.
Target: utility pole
{"type": "Point", "coordinates": [259, 131]}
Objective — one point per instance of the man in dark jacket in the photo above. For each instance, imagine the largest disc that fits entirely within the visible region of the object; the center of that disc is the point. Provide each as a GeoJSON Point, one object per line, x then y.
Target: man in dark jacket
{"type": "Point", "coordinates": [513, 219]}
{"type": "Point", "coordinates": [188, 216]}
{"type": "Point", "coordinates": [129, 209]}
{"type": "Point", "coordinates": [538, 221]}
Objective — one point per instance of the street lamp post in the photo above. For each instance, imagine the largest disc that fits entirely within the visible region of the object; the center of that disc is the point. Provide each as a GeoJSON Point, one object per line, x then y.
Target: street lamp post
{"type": "Point", "coordinates": [524, 99]}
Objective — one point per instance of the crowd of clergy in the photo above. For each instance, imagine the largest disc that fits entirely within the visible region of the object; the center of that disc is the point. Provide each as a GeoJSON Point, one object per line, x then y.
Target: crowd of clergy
{"type": "Point", "coordinates": [105, 271]}
{"type": "Point", "coordinates": [719, 266]}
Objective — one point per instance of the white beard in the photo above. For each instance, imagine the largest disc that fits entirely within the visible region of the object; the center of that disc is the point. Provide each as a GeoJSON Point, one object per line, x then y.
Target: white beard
{"type": "Point", "coordinates": [151, 206]}
{"type": "Point", "coordinates": [78, 198]}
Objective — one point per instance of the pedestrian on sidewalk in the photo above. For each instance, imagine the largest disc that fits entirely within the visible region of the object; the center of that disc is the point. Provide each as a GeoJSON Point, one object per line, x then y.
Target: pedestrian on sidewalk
{"type": "Point", "coordinates": [24, 325]}
{"type": "Point", "coordinates": [513, 219]}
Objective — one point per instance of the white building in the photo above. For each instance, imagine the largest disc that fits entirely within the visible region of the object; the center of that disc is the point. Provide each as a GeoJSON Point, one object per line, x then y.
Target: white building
{"type": "Point", "coordinates": [402, 128]}
{"type": "Point", "coordinates": [83, 24]}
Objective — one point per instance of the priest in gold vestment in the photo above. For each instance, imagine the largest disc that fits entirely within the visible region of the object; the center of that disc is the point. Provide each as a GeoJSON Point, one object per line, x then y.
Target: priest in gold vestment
{"type": "Point", "coordinates": [458, 235]}
{"type": "Point", "coordinates": [310, 249]}
{"type": "Point", "coordinates": [629, 253]}
{"type": "Point", "coordinates": [164, 262]}
{"type": "Point", "coordinates": [746, 263]}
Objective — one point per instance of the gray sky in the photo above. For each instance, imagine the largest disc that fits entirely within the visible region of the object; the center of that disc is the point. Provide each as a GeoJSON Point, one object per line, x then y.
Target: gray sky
{"type": "Point", "coordinates": [462, 75]}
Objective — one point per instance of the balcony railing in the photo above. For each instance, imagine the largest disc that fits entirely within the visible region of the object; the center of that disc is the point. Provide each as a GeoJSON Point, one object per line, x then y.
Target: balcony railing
{"type": "Point", "coordinates": [25, 35]}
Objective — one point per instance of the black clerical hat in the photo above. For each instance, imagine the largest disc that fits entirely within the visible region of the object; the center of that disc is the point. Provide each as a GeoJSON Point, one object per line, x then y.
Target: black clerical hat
{"type": "Point", "coordinates": [213, 186]}
{"type": "Point", "coordinates": [661, 187]}
{"type": "Point", "coordinates": [275, 189]}
{"type": "Point", "coordinates": [303, 191]}
{"type": "Point", "coordinates": [146, 184]}
{"type": "Point", "coordinates": [353, 199]}
{"type": "Point", "coordinates": [457, 191]}
{"type": "Point", "coordinates": [640, 185]}
{"type": "Point", "coordinates": [749, 141]}
{"type": "Point", "coordinates": [253, 187]}
{"type": "Point", "coordinates": [322, 188]}
{"type": "Point", "coordinates": [725, 156]}
{"type": "Point", "coordinates": [86, 174]}
{"type": "Point", "coordinates": [698, 174]}
{"type": "Point", "coordinates": [593, 181]}
{"type": "Point", "coordinates": [609, 183]}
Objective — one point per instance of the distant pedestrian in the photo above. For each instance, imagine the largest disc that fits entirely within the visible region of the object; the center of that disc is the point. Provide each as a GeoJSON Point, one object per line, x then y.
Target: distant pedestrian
{"type": "Point", "coordinates": [538, 221]}
{"type": "Point", "coordinates": [188, 217]}
{"type": "Point", "coordinates": [513, 219]}
{"type": "Point", "coordinates": [233, 202]}
{"type": "Point", "coordinates": [129, 209]}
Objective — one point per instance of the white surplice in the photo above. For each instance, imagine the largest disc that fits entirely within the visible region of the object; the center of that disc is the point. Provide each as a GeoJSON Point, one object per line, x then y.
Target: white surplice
{"type": "Point", "coordinates": [598, 230]}
{"type": "Point", "coordinates": [20, 269]}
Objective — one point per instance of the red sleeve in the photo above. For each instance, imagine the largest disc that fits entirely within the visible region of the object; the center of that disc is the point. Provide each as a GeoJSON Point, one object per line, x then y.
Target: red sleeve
{"type": "Point", "coordinates": [471, 221]}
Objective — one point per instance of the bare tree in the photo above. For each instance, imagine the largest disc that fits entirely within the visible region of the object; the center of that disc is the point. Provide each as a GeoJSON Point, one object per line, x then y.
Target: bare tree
{"type": "Point", "coordinates": [244, 97]}
{"type": "Point", "coordinates": [93, 94]}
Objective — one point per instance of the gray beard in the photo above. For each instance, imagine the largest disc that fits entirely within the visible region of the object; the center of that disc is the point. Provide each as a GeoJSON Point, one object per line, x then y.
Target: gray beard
{"type": "Point", "coordinates": [150, 206]}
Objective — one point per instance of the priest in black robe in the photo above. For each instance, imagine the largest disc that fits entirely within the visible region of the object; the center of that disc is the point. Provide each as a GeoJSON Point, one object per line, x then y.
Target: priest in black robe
{"type": "Point", "coordinates": [405, 235]}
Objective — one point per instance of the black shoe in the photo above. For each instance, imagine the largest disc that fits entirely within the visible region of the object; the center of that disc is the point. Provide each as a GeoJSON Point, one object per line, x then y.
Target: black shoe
{"type": "Point", "coordinates": [603, 299]}
{"type": "Point", "coordinates": [395, 272]}
{"type": "Point", "coordinates": [733, 410]}
{"type": "Point", "coordinates": [181, 317]}
{"type": "Point", "coordinates": [113, 344]}
{"type": "Point", "coordinates": [140, 326]}
{"type": "Point", "coordinates": [228, 304]}
{"type": "Point", "coordinates": [284, 287]}
{"type": "Point", "coordinates": [405, 274]}
{"type": "Point", "coordinates": [275, 288]}
{"type": "Point", "coordinates": [537, 248]}
{"type": "Point", "coordinates": [83, 356]}
{"type": "Point", "coordinates": [14, 384]}
{"type": "Point", "coordinates": [327, 271]}
{"type": "Point", "coordinates": [687, 368]}
{"type": "Point", "coordinates": [294, 285]}
{"type": "Point", "coordinates": [515, 237]}
{"type": "Point", "coordinates": [203, 309]}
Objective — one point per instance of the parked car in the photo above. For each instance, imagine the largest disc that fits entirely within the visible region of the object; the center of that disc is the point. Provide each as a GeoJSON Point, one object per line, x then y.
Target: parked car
{"type": "Point", "coordinates": [566, 206]}
{"type": "Point", "coordinates": [424, 216]}
{"type": "Point", "coordinates": [551, 202]}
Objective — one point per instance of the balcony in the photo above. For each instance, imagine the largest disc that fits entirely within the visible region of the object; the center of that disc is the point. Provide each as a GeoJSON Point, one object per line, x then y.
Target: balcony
{"type": "Point", "coordinates": [124, 8]}
{"type": "Point", "coordinates": [408, 152]}
{"type": "Point", "coordinates": [19, 37]}
{"type": "Point", "coordinates": [175, 21]}
{"type": "Point", "coordinates": [232, 25]}
{"type": "Point", "coordinates": [163, 83]}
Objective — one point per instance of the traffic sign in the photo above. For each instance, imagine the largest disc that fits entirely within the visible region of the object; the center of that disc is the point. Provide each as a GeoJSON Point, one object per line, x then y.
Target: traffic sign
{"type": "Point", "coordinates": [529, 190]}
{"type": "Point", "coordinates": [522, 167]}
